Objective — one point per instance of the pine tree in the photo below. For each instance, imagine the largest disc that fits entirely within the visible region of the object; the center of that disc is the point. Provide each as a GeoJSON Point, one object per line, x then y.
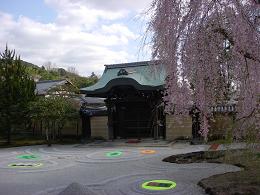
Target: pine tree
{"type": "Point", "coordinates": [16, 91]}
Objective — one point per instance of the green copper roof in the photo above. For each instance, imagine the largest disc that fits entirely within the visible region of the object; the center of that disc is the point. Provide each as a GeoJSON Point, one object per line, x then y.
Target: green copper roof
{"type": "Point", "coordinates": [146, 75]}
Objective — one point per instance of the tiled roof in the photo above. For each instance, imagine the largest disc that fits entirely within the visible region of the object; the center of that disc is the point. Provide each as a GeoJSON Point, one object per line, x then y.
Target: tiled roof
{"type": "Point", "coordinates": [42, 87]}
{"type": "Point", "coordinates": [142, 75]}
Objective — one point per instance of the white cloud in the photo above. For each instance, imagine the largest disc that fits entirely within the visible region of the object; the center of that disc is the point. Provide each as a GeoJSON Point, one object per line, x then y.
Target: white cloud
{"type": "Point", "coordinates": [111, 5]}
{"type": "Point", "coordinates": [120, 4]}
{"type": "Point", "coordinates": [118, 29]}
{"type": "Point", "coordinates": [82, 36]}
{"type": "Point", "coordinates": [79, 13]}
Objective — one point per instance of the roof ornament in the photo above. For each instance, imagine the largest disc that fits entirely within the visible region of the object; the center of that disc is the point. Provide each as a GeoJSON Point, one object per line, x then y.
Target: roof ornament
{"type": "Point", "coordinates": [122, 72]}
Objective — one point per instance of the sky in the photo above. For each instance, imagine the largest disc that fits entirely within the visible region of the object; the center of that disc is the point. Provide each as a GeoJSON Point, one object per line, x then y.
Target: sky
{"type": "Point", "coordinates": [85, 34]}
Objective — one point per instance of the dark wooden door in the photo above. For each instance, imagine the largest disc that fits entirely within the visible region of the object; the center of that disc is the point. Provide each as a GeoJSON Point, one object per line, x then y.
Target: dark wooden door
{"type": "Point", "coordinates": [86, 129]}
{"type": "Point", "coordinates": [133, 120]}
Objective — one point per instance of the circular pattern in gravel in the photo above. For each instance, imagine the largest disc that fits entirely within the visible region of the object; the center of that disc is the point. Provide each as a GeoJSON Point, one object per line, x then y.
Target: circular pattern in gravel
{"type": "Point", "coordinates": [28, 157]}
{"type": "Point", "coordinates": [122, 170]}
{"type": "Point", "coordinates": [113, 154]}
{"type": "Point", "coordinates": [28, 160]}
{"type": "Point", "coordinates": [148, 152]}
{"type": "Point", "coordinates": [110, 155]}
{"type": "Point", "coordinates": [158, 185]}
{"type": "Point", "coordinates": [132, 185]}
{"type": "Point", "coordinates": [25, 165]}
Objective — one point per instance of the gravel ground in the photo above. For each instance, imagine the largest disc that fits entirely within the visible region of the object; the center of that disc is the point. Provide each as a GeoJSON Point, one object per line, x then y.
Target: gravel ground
{"type": "Point", "coordinates": [116, 170]}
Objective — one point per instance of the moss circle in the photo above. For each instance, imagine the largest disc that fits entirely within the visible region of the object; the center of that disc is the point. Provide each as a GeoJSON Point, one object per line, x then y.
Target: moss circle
{"type": "Point", "coordinates": [25, 165]}
{"type": "Point", "coordinates": [28, 156]}
{"type": "Point", "coordinates": [113, 154]}
{"type": "Point", "coordinates": [158, 185]}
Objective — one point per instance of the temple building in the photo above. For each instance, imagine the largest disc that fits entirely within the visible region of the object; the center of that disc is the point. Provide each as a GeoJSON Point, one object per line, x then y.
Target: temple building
{"type": "Point", "coordinates": [133, 95]}
{"type": "Point", "coordinates": [135, 109]}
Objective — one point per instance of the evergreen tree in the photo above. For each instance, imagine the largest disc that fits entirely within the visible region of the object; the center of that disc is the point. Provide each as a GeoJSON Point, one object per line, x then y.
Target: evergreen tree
{"type": "Point", "coordinates": [16, 90]}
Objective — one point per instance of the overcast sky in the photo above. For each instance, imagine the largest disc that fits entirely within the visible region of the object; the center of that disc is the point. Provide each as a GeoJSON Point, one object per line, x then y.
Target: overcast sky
{"type": "Point", "coordinates": [85, 34]}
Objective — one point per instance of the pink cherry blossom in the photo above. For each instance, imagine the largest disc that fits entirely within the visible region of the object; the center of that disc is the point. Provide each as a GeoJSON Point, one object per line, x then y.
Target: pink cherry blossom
{"type": "Point", "coordinates": [211, 50]}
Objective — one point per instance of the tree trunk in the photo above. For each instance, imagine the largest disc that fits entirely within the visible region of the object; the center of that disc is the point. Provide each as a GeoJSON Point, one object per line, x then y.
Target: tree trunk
{"type": "Point", "coordinates": [77, 129]}
{"type": "Point", "coordinates": [8, 134]}
{"type": "Point", "coordinates": [60, 127]}
{"type": "Point", "coordinates": [8, 127]}
{"type": "Point", "coordinates": [60, 133]}
{"type": "Point", "coordinates": [41, 127]}
{"type": "Point", "coordinates": [47, 134]}
{"type": "Point", "coordinates": [53, 130]}
{"type": "Point", "coordinates": [34, 123]}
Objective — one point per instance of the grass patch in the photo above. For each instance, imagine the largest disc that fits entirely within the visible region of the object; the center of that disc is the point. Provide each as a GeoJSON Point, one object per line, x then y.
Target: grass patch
{"type": "Point", "coordinates": [246, 181]}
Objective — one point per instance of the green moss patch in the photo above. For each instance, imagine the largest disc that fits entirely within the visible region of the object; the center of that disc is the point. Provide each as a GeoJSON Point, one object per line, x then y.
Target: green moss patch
{"type": "Point", "coordinates": [158, 185]}
{"type": "Point", "coordinates": [28, 157]}
{"type": "Point", "coordinates": [113, 154]}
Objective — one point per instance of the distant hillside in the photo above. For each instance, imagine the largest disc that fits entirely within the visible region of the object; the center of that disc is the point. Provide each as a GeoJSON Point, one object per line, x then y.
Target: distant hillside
{"type": "Point", "coordinates": [29, 64]}
{"type": "Point", "coordinates": [59, 73]}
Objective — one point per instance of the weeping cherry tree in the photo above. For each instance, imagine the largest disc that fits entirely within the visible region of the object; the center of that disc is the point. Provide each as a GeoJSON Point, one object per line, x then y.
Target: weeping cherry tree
{"type": "Point", "coordinates": [211, 49]}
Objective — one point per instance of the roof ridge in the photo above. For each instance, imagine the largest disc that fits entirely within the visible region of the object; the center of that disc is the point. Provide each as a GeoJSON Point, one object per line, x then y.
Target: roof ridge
{"type": "Point", "coordinates": [132, 64]}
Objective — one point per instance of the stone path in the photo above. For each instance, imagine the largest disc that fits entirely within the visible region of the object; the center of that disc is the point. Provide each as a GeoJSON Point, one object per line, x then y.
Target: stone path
{"type": "Point", "coordinates": [118, 170]}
